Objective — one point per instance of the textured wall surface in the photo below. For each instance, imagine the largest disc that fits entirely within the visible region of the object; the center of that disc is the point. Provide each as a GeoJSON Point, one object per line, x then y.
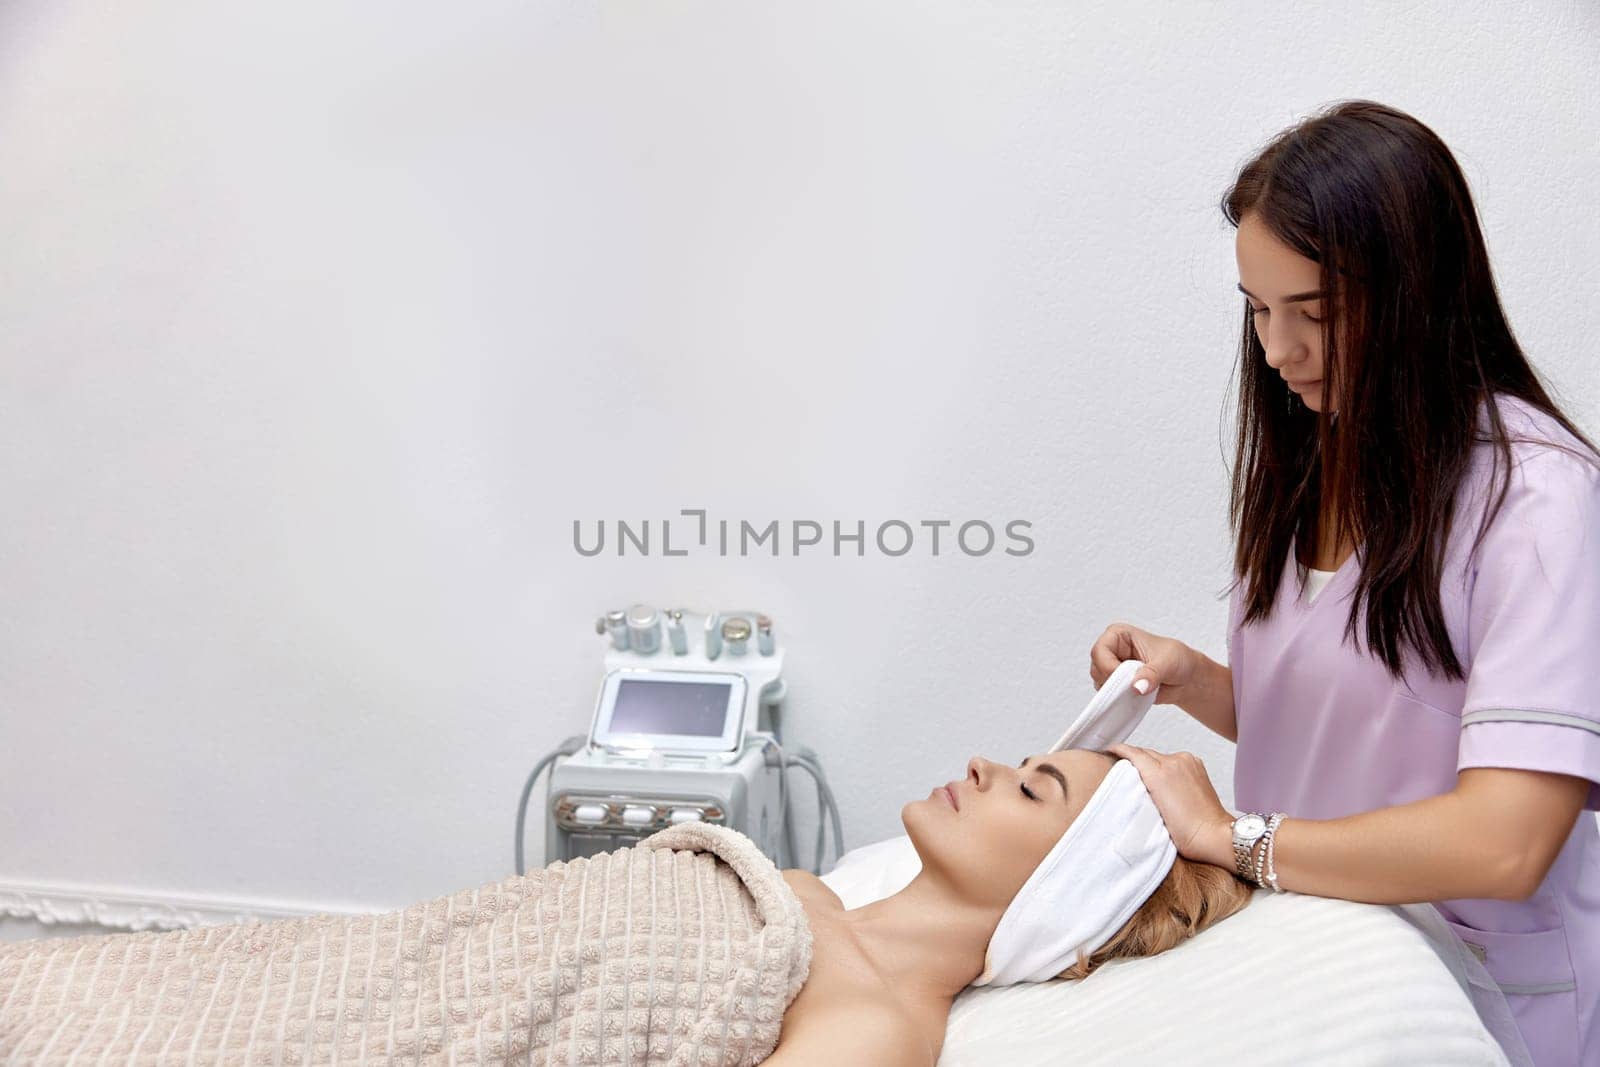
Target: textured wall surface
{"type": "Point", "coordinates": [323, 322]}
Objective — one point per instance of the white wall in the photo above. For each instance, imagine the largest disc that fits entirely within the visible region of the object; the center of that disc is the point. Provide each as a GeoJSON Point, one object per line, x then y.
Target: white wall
{"type": "Point", "coordinates": [322, 322]}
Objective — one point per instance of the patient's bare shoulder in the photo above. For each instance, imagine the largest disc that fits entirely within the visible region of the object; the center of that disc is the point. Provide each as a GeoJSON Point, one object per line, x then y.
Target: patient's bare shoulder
{"type": "Point", "coordinates": [811, 890]}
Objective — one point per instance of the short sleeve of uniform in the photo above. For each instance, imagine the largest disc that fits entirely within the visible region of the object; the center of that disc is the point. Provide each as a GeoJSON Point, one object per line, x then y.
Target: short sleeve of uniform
{"type": "Point", "coordinates": [1533, 625]}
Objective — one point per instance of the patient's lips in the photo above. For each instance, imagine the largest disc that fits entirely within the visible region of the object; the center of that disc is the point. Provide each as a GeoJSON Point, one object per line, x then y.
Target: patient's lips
{"type": "Point", "coordinates": [950, 794]}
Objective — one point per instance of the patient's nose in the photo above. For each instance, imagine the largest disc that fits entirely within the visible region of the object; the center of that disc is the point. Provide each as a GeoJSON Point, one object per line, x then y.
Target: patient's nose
{"type": "Point", "coordinates": [979, 770]}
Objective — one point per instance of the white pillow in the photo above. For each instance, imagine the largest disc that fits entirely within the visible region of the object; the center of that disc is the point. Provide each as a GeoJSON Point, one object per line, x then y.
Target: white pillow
{"type": "Point", "coordinates": [873, 872]}
{"type": "Point", "coordinates": [1322, 981]}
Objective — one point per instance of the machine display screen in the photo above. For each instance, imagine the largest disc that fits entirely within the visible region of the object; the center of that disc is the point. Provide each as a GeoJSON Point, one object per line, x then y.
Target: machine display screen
{"type": "Point", "coordinates": [689, 709]}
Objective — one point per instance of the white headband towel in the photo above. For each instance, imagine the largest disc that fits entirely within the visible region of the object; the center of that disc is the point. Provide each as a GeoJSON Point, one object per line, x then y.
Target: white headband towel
{"type": "Point", "coordinates": [1106, 864]}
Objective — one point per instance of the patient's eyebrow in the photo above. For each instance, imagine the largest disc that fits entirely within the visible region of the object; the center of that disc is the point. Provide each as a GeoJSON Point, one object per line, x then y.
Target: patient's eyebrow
{"type": "Point", "coordinates": [1050, 769]}
{"type": "Point", "coordinates": [1293, 298]}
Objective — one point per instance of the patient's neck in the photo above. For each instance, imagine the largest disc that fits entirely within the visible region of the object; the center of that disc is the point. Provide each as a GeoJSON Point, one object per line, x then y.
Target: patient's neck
{"type": "Point", "coordinates": [925, 939]}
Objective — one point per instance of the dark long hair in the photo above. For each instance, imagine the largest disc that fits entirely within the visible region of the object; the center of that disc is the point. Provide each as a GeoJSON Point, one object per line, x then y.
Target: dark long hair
{"type": "Point", "coordinates": [1414, 340]}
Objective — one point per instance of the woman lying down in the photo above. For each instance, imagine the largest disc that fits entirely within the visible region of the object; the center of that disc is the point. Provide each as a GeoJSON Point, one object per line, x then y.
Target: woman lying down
{"type": "Point", "coordinates": [1028, 873]}
{"type": "Point", "coordinates": [690, 948]}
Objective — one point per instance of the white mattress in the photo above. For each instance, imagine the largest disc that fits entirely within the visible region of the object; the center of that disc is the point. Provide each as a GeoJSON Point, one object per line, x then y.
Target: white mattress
{"type": "Point", "coordinates": [1338, 982]}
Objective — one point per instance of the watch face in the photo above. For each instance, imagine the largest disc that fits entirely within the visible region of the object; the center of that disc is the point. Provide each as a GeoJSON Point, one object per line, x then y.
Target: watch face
{"type": "Point", "coordinates": [1250, 826]}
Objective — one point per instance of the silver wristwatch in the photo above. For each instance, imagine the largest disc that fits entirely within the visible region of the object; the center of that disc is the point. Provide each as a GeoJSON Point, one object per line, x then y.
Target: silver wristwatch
{"type": "Point", "coordinates": [1247, 830]}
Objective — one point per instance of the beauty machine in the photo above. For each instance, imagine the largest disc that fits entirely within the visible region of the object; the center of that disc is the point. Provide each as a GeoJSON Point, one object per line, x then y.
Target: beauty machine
{"type": "Point", "coordinates": [687, 727]}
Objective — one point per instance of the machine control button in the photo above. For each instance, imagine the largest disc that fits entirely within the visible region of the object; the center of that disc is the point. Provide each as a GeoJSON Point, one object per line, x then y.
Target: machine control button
{"type": "Point", "coordinates": [684, 815]}
{"type": "Point", "coordinates": [592, 814]}
{"type": "Point", "coordinates": [636, 815]}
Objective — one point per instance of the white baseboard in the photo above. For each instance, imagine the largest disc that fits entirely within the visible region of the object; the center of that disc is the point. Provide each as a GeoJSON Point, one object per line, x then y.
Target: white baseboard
{"type": "Point", "coordinates": [119, 909]}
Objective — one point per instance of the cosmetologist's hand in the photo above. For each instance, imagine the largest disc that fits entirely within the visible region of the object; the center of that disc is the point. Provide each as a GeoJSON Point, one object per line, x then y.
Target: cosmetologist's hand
{"type": "Point", "coordinates": [1169, 664]}
{"type": "Point", "coordinates": [1200, 826]}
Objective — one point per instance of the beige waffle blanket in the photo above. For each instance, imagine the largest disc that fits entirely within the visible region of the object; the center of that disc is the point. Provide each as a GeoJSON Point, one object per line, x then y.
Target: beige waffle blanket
{"type": "Point", "coordinates": [684, 950]}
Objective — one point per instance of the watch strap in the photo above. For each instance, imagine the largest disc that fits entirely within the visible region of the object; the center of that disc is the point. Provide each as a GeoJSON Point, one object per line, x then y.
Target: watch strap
{"type": "Point", "coordinates": [1242, 849]}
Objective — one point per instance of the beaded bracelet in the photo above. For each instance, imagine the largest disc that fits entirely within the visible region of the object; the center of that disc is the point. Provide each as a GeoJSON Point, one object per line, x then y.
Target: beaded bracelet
{"type": "Point", "coordinates": [1272, 871]}
{"type": "Point", "coordinates": [1263, 843]}
{"type": "Point", "coordinates": [1266, 846]}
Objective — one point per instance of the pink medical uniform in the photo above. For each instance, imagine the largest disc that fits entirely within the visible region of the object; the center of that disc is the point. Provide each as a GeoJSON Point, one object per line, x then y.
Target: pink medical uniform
{"type": "Point", "coordinates": [1325, 732]}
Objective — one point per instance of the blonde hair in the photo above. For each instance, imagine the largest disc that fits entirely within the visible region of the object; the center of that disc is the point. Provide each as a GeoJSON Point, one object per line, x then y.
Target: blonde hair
{"type": "Point", "coordinates": [1192, 897]}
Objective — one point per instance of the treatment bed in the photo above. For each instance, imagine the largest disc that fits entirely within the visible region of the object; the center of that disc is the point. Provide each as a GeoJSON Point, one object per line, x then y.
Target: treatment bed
{"type": "Point", "coordinates": [469, 978]}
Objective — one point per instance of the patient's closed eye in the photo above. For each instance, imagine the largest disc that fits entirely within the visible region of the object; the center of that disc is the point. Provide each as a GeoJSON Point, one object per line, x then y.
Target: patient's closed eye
{"type": "Point", "coordinates": [1030, 794]}
{"type": "Point", "coordinates": [1052, 771]}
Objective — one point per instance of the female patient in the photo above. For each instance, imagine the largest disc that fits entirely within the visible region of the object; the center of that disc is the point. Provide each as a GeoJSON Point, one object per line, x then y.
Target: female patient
{"type": "Point", "coordinates": [883, 976]}
{"type": "Point", "coordinates": [1027, 873]}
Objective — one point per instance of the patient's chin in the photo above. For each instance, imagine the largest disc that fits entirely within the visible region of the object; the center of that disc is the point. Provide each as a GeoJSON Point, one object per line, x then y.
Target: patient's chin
{"type": "Point", "coordinates": [917, 820]}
